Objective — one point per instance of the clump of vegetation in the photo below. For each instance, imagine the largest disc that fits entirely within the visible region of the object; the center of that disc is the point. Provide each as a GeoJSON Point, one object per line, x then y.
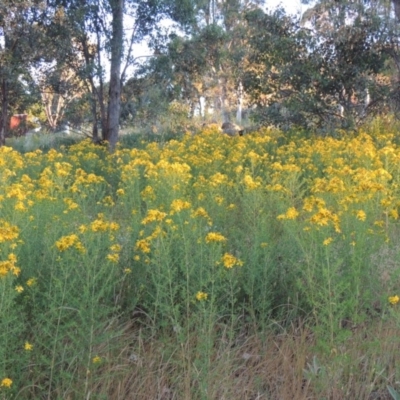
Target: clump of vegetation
{"type": "Point", "coordinates": [205, 267]}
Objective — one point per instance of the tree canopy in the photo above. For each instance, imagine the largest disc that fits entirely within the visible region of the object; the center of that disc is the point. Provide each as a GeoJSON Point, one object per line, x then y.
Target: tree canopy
{"type": "Point", "coordinates": [219, 60]}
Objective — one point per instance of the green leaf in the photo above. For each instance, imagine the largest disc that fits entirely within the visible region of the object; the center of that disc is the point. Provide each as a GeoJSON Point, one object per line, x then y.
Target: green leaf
{"type": "Point", "coordinates": [393, 393]}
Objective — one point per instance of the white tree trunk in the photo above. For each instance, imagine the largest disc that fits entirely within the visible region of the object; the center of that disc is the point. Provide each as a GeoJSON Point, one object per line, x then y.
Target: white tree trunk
{"type": "Point", "coordinates": [239, 104]}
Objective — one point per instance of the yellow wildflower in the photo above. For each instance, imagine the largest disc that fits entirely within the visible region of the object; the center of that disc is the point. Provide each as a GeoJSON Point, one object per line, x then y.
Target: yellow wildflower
{"type": "Point", "coordinates": [99, 225]}
{"type": "Point", "coordinates": [6, 382]}
{"type": "Point", "coordinates": [7, 231]}
{"type": "Point", "coordinates": [239, 169]}
{"type": "Point", "coordinates": [201, 296]}
{"type": "Point", "coordinates": [215, 237]}
{"type": "Point", "coordinates": [79, 246]}
{"type": "Point", "coordinates": [291, 213]}
{"type": "Point", "coordinates": [250, 183]}
{"type": "Point", "coordinates": [394, 214]}
{"type": "Point", "coordinates": [327, 241]}
{"type": "Point", "coordinates": [31, 282]}
{"type": "Point", "coordinates": [179, 205]}
{"type": "Point", "coordinates": [71, 204]}
{"type": "Point", "coordinates": [20, 206]}
{"type": "Point", "coordinates": [218, 179]}
{"type": "Point", "coordinates": [96, 360]}
{"type": "Point", "coordinates": [12, 258]}
{"type": "Point", "coordinates": [148, 193]}
{"type": "Point", "coordinates": [394, 299]}
{"type": "Point", "coordinates": [116, 248]}
{"type": "Point", "coordinates": [19, 288]}
{"type": "Point", "coordinates": [276, 188]}
{"type": "Point", "coordinates": [219, 200]}
{"type": "Point", "coordinates": [231, 261]}
{"type": "Point", "coordinates": [143, 245]}
{"type": "Point", "coordinates": [322, 217]}
{"type": "Point", "coordinates": [66, 242]}
{"type": "Point", "coordinates": [28, 346]}
{"type": "Point", "coordinates": [361, 215]}
{"type": "Point", "coordinates": [200, 212]}
{"type": "Point", "coordinates": [114, 226]}
{"type": "Point", "coordinates": [107, 201]}
{"type": "Point", "coordinates": [153, 215]}
{"type": "Point", "coordinates": [113, 257]}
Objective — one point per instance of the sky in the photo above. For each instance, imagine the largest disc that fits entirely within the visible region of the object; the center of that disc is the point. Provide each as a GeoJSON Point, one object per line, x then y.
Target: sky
{"type": "Point", "coordinates": [291, 6]}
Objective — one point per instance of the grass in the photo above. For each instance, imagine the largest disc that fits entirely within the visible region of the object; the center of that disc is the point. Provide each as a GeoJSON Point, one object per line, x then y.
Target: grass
{"type": "Point", "coordinates": [202, 267]}
{"type": "Point", "coordinates": [279, 365]}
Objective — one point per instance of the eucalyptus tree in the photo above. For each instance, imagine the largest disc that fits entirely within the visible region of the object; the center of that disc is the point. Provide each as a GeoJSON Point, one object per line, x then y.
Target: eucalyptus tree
{"type": "Point", "coordinates": [318, 74]}
{"type": "Point", "coordinates": [224, 79]}
{"type": "Point", "coordinates": [203, 66]}
{"type": "Point", "coordinates": [102, 34]}
{"type": "Point", "coordinates": [367, 32]}
{"type": "Point", "coordinates": [83, 30]}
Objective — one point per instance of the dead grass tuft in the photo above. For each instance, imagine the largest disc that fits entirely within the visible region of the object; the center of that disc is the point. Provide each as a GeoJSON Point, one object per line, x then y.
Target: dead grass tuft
{"type": "Point", "coordinates": [282, 366]}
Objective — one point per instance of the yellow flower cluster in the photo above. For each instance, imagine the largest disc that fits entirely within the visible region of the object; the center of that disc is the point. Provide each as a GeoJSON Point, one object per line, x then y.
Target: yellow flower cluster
{"type": "Point", "coordinates": [215, 237]}
{"type": "Point", "coordinates": [250, 183]}
{"type": "Point", "coordinates": [8, 265]}
{"type": "Point", "coordinates": [179, 205]}
{"type": "Point", "coordinates": [8, 232]}
{"type": "Point", "coordinates": [210, 183]}
{"type": "Point", "coordinates": [6, 382]}
{"type": "Point", "coordinates": [143, 245]}
{"type": "Point", "coordinates": [101, 225]}
{"type": "Point", "coordinates": [153, 216]}
{"type": "Point", "coordinates": [85, 180]}
{"type": "Point", "coordinates": [229, 261]}
{"type": "Point", "coordinates": [291, 213]}
{"type": "Point", "coordinates": [66, 242]}
{"type": "Point", "coordinates": [200, 296]}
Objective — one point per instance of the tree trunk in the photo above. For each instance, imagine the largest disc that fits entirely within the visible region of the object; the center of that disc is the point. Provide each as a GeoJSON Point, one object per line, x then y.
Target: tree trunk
{"type": "Point", "coordinates": [92, 90]}
{"type": "Point", "coordinates": [100, 91]}
{"type": "Point", "coordinates": [396, 4]}
{"type": "Point", "coordinates": [224, 100]}
{"type": "Point", "coordinates": [4, 112]}
{"type": "Point", "coordinates": [239, 103]}
{"type": "Point", "coordinates": [95, 132]}
{"type": "Point", "coordinates": [114, 104]}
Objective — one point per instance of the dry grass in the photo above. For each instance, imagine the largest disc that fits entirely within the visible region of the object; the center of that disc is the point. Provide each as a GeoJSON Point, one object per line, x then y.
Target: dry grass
{"type": "Point", "coordinates": [278, 366]}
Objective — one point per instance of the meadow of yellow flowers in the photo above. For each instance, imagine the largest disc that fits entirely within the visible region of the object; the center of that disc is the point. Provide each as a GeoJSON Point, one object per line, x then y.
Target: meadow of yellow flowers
{"type": "Point", "coordinates": [253, 228]}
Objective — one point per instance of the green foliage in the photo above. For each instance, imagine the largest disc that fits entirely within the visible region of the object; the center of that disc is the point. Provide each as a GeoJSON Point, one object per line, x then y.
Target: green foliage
{"type": "Point", "coordinates": [208, 234]}
{"type": "Point", "coordinates": [315, 78]}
